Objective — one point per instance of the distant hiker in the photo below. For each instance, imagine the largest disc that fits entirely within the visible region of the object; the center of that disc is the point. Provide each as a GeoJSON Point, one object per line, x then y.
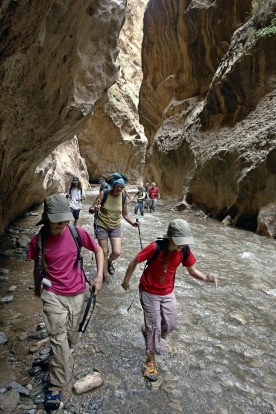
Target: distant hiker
{"type": "Point", "coordinates": [108, 206]}
{"type": "Point", "coordinates": [60, 282]}
{"type": "Point", "coordinates": [140, 197]}
{"type": "Point", "coordinates": [146, 187]}
{"type": "Point", "coordinates": [154, 195]}
{"type": "Point", "coordinates": [76, 195]}
{"type": "Point", "coordinates": [157, 286]}
{"type": "Point", "coordinates": [147, 203]}
{"type": "Point", "coordinates": [103, 184]}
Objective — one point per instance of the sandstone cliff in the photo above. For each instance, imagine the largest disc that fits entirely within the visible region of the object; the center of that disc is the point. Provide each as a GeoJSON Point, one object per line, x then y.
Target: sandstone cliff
{"type": "Point", "coordinates": [207, 103]}
{"type": "Point", "coordinates": [58, 59]}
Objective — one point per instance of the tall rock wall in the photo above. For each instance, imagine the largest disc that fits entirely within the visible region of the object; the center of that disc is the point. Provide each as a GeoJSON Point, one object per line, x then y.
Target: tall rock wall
{"type": "Point", "coordinates": [113, 139]}
{"type": "Point", "coordinates": [207, 103]}
{"type": "Point", "coordinates": [57, 60]}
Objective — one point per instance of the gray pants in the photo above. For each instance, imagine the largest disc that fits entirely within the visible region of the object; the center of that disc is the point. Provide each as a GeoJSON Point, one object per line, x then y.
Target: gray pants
{"type": "Point", "coordinates": [62, 316]}
{"type": "Point", "coordinates": [160, 316]}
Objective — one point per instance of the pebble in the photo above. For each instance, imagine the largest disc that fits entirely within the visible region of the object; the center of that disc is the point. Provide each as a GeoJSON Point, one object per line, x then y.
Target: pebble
{"type": "Point", "coordinates": [7, 299]}
{"type": "Point", "coordinates": [3, 338]}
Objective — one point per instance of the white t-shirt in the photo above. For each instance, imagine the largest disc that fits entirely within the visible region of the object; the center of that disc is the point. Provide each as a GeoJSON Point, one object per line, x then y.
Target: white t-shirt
{"type": "Point", "coordinates": [75, 196]}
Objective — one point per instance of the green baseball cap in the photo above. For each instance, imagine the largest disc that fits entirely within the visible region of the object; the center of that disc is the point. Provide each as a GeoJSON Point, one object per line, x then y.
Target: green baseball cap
{"type": "Point", "coordinates": [180, 232]}
{"type": "Point", "coordinates": [57, 209]}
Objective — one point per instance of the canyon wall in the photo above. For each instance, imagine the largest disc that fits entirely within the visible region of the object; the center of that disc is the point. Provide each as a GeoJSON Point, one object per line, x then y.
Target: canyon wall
{"type": "Point", "coordinates": [207, 103]}
{"type": "Point", "coordinates": [58, 59]}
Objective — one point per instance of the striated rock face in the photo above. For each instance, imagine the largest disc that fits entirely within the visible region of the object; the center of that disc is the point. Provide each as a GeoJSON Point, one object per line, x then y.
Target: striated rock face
{"type": "Point", "coordinates": [207, 103]}
{"type": "Point", "coordinates": [54, 174]}
{"type": "Point", "coordinates": [113, 139]}
{"type": "Point", "coordinates": [57, 61]}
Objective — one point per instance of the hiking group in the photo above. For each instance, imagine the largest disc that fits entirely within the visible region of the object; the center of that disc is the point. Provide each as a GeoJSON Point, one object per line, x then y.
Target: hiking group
{"type": "Point", "coordinates": [60, 280]}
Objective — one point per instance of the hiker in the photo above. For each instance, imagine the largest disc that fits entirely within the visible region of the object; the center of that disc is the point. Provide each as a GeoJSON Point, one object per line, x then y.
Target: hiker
{"type": "Point", "coordinates": [154, 195]}
{"type": "Point", "coordinates": [140, 199]}
{"type": "Point", "coordinates": [103, 184]}
{"type": "Point", "coordinates": [108, 207]}
{"type": "Point", "coordinates": [147, 203]}
{"type": "Point", "coordinates": [61, 284]}
{"type": "Point", "coordinates": [76, 195]}
{"type": "Point", "coordinates": [157, 286]}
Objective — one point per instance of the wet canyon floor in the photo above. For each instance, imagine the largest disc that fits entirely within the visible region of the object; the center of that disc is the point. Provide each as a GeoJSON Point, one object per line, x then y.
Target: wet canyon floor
{"type": "Point", "coordinates": [221, 359]}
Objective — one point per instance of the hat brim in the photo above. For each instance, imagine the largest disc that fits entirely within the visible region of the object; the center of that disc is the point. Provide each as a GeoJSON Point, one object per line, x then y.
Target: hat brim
{"type": "Point", "coordinates": [41, 221]}
{"type": "Point", "coordinates": [58, 217]}
{"type": "Point", "coordinates": [179, 241]}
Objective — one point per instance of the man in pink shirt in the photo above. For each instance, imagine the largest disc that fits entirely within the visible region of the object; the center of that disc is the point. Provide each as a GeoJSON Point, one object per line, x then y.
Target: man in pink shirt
{"type": "Point", "coordinates": [157, 286]}
{"type": "Point", "coordinates": [60, 283]}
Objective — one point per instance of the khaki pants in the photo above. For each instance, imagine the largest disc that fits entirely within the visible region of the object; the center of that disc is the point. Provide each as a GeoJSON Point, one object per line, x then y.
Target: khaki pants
{"type": "Point", "coordinates": [62, 316]}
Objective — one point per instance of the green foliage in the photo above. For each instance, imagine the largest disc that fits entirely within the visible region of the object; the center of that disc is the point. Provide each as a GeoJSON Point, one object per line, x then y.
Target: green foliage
{"type": "Point", "coordinates": [266, 31]}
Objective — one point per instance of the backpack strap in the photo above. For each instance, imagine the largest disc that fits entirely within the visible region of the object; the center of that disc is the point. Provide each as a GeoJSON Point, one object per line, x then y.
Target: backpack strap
{"type": "Point", "coordinates": [105, 195]}
{"type": "Point", "coordinates": [185, 252]}
{"type": "Point", "coordinates": [161, 244]}
{"type": "Point", "coordinates": [77, 239]}
{"type": "Point", "coordinates": [39, 252]}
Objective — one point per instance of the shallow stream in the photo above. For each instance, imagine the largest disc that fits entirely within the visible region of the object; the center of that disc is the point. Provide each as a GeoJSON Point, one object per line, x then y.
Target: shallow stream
{"type": "Point", "coordinates": [221, 359]}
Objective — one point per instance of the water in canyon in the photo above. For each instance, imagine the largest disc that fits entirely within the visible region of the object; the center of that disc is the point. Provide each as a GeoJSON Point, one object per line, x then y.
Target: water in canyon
{"type": "Point", "coordinates": [221, 359]}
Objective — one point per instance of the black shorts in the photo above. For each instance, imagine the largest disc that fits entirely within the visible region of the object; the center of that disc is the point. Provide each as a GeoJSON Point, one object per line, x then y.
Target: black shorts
{"type": "Point", "coordinates": [76, 213]}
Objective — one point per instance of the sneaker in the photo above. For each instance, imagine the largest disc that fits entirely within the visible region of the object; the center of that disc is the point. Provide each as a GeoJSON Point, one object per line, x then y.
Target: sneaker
{"type": "Point", "coordinates": [110, 268]}
{"type": "Point", "coordinates": [53, 399]}
{"type": "Point", "coordinates": [150, 371]}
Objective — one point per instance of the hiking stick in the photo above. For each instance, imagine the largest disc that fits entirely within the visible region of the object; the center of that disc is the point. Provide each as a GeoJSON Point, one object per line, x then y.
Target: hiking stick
{"type": "Point", "coordinates": [134, 297]}
{"type": "Point", "coordinates": [95, 225]}
{"type": "Point", "coordinates": [137, 221]}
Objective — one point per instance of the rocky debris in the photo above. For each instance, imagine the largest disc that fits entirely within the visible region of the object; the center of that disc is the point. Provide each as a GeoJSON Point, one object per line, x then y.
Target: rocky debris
{"type": "Point", "coordinates": [267, 221]}
{"type": "Point", "coordinates": [88, 383]}
{"type": "Point", "coordinates": [237, 317]}
{"type": "Point", "coordinates": [23, 241]}
{"type": "Point", "coordinates": [3, 338]}
{"type": "Point", "coordinates": [15, 386]}
{"type": "Point", "coordinates": [9, 401]}
{"type": "Point", "coordinates": [227, 221]}
{"type": "Point", "coordinates": [7, 253]}
{"type": "Point", "coordinates": [38, 345]}
{"type": "Point", "coordinates": [155, 385]}
{"type": "Point", "coordinates": [7, 299]}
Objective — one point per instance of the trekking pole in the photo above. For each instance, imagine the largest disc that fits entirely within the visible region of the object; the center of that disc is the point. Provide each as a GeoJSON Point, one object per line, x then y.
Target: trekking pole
{"type": "Point", "coordinates": [137, 221]}
{"type": "Point", "coordinates": [134, 297]}
{"type": "Point", "coordinates": [95, 225]}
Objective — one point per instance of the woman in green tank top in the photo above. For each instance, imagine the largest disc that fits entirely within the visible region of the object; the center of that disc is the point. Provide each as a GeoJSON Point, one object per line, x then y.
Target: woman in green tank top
{"type": "Point", "coordinates": [108, 208]}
